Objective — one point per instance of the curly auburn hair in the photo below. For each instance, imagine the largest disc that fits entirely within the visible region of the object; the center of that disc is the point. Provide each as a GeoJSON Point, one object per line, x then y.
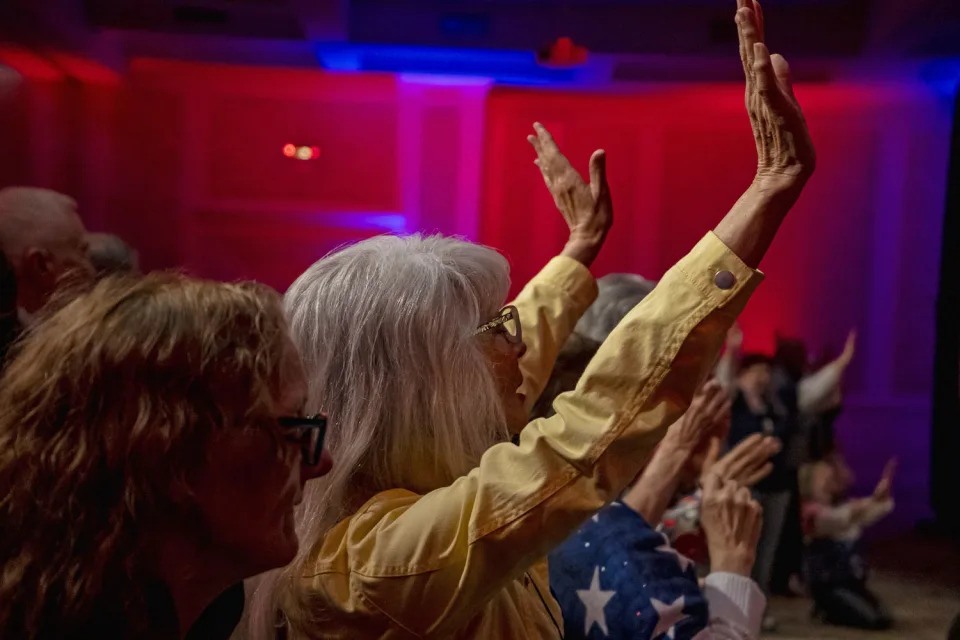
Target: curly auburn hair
{"type": "Point", "coordinates": [104, 412]}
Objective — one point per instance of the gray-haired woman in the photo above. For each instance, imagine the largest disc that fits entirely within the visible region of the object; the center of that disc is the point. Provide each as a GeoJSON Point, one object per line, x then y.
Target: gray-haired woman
{"type": "Point", "coordinates": [436, 525]}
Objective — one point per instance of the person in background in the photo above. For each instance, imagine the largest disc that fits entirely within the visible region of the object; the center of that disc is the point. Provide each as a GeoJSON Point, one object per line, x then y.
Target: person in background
{"type": "Point", "coordinates": [835, 568]}
{"type": "Point", "coordinates": [758, 409]}
{"type": "Point", "coordinates": [617, 294]}
{"type": "Point", "coordinates": [152, 449]}
{"type": "Point", "coordinates": [45, 243]}
{"type": "Point", "coordinates": [817, 396]}
{"type": "Point", "coordinates": [651, 588]}
{"type": "Point", "coordinates": [109, 254]}
{"type": "Point", "coordinates": [438, 525]}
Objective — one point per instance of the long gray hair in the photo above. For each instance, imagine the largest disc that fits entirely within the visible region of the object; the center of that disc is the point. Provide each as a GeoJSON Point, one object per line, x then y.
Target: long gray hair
{"type": "Point", "coordinates": [385, 328]}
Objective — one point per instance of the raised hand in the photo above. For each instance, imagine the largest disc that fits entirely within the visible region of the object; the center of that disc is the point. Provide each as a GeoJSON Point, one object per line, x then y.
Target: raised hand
{"type": "Point", "coordinates": [785, 153]}
{"type": "Point", "coordinates": [884, 488]}
{"type": "Point", "coordinates": [586, 208]}
{"type": "Point", "coordinates": [708, 415]}
{"type": "Point", "coordinates": [735, 338]}
{"type": "Point", "coordinates": [746, 464]}
{"type": "Point", "coordinates": [731, 520]}
{"type": "Point", "coordinates": [849, 349]}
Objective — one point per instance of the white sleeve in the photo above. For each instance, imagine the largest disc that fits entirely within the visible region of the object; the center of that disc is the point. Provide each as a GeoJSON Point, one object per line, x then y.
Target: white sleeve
{"type": "Point", "coordinates": [874, 511]}
{"type": "Point", "coordinates": [833, 522]}
{"type": "Point", "coordinates": [815, 392]}
{"type": "Point", "coordinates": [736, 608]}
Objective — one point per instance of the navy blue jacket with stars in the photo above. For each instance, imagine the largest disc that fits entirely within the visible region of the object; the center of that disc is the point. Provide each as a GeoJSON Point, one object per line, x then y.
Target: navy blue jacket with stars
{"type": "Point", "coordinates": [617, 577]}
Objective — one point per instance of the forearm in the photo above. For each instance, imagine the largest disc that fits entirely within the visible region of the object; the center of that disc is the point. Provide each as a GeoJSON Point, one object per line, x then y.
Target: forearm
{"type": "Point", "coordinates": [651, 494]}
{"type": "Point", "coordinates": [550, 305]}
{"type": "Point", "coordinates": [584, 249]}
{"type": "Point", "coordinates": [815, 391]}
{"type": "Point", "coordinates": [871, 510]}
{"type": "Point", "coordinates": [750, 226]}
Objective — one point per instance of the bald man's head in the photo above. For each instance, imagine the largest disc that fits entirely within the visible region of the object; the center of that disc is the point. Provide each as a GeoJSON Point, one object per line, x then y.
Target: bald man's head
{"type": "Point", "coordinates": [44, 241]}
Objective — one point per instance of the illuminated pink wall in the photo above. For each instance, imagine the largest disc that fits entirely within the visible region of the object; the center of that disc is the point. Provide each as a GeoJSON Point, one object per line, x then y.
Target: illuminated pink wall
{"type": "Point", "coordinates": [185, 161]}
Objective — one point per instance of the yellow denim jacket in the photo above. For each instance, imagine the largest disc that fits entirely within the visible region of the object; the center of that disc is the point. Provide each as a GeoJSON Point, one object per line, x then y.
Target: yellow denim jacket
{"type": "Point", "coordinates": [468, 560]}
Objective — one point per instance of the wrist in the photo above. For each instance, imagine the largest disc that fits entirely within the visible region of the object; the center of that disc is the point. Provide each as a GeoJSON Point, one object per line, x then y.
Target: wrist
{"type": "Point", "coordinates": [779, 185]}
{"type": "Point", "coordinates": [583, 250]}
{"type": "Point", "coordinates": [738, 562]}
{"type": "Point", "coordinates": [676, 447]}
{"type": "Point", "coordinates": [584, 245]}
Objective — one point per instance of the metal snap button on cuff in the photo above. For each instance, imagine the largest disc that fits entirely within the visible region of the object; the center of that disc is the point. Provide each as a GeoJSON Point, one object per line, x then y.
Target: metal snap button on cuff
{"type": "Point", "coordinates": [724, 280]}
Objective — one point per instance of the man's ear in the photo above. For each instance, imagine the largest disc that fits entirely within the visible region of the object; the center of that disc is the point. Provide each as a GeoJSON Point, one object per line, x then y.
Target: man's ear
{"type": "Point", "coordinates": [38, 263]}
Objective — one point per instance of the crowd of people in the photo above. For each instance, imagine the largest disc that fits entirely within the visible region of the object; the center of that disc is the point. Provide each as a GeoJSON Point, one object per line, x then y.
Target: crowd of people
{"type": "Point", "coordinates": [391, 449]}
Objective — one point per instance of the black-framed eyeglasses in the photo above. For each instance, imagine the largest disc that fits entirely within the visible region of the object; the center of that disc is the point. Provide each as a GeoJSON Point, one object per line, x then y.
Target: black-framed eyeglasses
{"type": "Point", "coordinates": [506, 322]}
{"type": "Point", "coordinates": [309, 432]}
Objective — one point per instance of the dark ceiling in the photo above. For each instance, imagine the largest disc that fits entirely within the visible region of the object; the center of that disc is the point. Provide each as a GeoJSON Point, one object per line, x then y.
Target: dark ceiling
{"type": "Point", "coordinates": [228, 30]}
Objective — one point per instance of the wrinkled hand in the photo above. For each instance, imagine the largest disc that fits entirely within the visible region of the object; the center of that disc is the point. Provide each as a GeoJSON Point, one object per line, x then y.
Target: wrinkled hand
{"type": "Point", "coordinates": [884, 488]}
{"type": "Point", "coordinates": [785, 153]}
{"type": "Point", "coordinates": [746, 464]}
{"type": "Point", "coordinates": [586, 208]}
{"type": "Point", "coordinates": [732, 521]}
{"type": "Point", "coordinates": [708, 415]}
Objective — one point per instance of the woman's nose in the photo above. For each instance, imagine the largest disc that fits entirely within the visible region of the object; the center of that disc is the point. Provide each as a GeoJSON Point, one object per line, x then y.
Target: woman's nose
{"type": "Point", "coordinates": [322, 468]}
{"type": "Point", "coordinates": [521, 350]}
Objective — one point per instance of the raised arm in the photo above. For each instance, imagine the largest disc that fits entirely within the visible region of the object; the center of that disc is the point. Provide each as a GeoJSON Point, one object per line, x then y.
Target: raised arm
{"type": "Point", "coordinates": [552, 302]}
{"type": "Point", "coordinates": [820, 391]}
{"type": "Point", "coordinates": [729, 362]}
{"type": "Point", "coordinates": [522, 500]}
{"type": "Point", "coordinates": [652, 493]}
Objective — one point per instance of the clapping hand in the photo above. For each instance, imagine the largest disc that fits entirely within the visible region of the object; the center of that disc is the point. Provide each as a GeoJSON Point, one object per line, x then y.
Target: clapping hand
{"type": "Point", "coordinates": [732, 521]}
{"type": "Point", "coordinates": [785, 153]}
{"type": "Point", "coordinates": [708, 415]}
{"type": "Point", "coordinates": [586, 208]}
{"type": "Point", "coordinates": [746, 464]}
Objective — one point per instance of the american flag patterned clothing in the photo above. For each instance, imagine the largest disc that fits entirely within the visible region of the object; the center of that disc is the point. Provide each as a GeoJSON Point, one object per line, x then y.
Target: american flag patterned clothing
{"type": "Point", "coordinates": [617, 577]}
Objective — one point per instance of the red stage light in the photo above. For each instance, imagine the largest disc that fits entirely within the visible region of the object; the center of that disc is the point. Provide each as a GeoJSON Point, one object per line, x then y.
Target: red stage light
{"type": "Point", "coordinates": [314, 152]}
{"type": "Point", "coordinates": [289, 150]}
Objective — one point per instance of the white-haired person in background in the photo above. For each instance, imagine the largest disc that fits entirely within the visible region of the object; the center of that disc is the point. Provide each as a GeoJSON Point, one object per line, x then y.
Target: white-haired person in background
{"type": "Point", "coordinates": [109, 254]}
{"type": "Point", "coordinates": [436, 525]}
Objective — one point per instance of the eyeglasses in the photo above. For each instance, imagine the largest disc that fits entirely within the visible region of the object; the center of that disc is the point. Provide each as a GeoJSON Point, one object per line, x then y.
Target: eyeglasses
{"type": "Point", "coordinates": [308, 432]}
{"type": "Point", "coordinates": [507, 322]}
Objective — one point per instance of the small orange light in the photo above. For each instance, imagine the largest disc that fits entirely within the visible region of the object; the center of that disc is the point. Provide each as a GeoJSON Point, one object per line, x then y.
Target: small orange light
{"type": "Point", "coordinates": [289, 150]}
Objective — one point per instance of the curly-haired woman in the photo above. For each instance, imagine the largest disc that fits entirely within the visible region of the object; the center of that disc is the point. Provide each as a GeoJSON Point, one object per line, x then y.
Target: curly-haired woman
{"type": "Point", "coordinates": [152, 451]}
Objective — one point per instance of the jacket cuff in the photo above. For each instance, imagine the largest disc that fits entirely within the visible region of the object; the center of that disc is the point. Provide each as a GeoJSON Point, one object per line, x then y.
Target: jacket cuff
{"type": "Point", "coordinates": [717, 272]}
{"type": "Point", "coordinates": [737, 600]}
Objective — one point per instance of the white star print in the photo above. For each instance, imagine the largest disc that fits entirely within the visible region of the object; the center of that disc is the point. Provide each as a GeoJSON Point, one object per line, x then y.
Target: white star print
{"type": "Point", "coordinates": [682, 560]}
{"type": "Point", "coordinates": [595, 600]}
{"type": "Point", "coordinates": [670, 615]}
{"type": "Point", "coordinates": [596, 517]}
